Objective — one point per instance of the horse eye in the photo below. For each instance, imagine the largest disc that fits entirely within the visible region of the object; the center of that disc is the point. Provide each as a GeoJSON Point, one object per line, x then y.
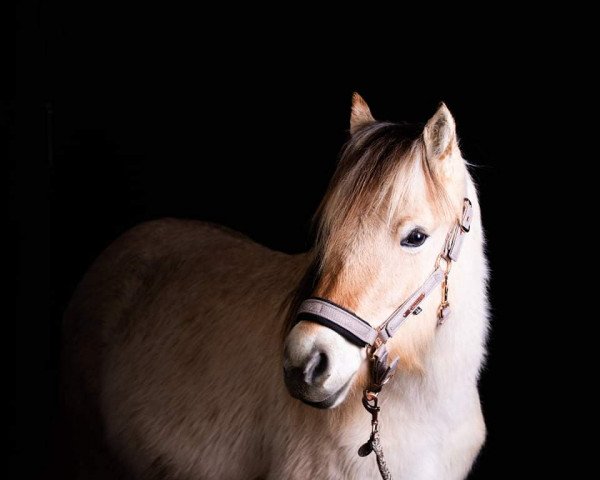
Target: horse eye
{"type": "Point", "coordinates": [415, 238]}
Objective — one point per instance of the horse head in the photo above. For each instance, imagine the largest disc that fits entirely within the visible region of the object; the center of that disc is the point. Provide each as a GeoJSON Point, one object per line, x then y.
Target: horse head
{"type": "Point", "coordinates": [397, 191]}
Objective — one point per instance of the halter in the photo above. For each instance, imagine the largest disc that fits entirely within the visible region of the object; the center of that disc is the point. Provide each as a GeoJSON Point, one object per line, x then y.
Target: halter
{"type": "Point", "coordinates": [359, 332]}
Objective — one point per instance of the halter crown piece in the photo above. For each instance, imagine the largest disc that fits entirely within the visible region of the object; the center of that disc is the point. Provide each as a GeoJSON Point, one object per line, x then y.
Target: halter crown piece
{"type": "Point", "coordinates": [359, 332]}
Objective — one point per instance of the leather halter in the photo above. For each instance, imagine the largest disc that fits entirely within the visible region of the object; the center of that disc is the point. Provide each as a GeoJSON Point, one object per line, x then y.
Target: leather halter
{"type": "Point", "coordinates": [358, 331]}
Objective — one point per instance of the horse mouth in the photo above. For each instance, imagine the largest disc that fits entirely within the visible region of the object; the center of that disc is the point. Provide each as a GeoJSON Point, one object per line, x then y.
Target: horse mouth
{"type": "Point", "coordinates": [330, 401]}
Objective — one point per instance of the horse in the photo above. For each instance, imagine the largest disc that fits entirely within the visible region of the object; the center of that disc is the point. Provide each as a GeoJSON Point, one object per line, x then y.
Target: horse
{"type": "Point", "coordinates": [184, 357]}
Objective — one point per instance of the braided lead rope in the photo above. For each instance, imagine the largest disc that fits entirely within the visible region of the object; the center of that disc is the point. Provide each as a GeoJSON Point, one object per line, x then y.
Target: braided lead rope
{"type": "Point", "coordinates": [381, 463]}
{"type": "Point", "coordinates": [381, 373]}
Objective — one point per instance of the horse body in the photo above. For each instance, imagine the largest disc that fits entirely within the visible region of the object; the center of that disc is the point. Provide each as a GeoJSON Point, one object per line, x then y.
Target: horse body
{"type": "Point", "coordinates": [174, 347]}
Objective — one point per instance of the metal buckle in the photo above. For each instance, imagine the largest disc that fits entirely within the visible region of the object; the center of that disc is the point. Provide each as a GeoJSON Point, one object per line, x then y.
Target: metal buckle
{"type": "Point", "coordinates": [447, 261]}
{"type": "Point", "coordinates": [465, 221]}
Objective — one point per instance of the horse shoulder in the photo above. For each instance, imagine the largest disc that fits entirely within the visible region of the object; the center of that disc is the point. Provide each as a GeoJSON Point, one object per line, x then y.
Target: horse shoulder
{"type": "Point", "coordinates": [149, 329]}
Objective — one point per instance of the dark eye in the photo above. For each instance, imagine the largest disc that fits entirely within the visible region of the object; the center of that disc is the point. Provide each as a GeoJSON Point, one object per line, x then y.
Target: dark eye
{"type": "Point", "coordinates": [415, 238]}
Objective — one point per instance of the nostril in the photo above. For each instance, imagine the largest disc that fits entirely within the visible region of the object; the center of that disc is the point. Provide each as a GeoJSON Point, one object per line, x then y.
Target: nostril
{"type": "Point", "coordinates": [315, 368]}
{"type": "Point", "coordinates": [321, 367]}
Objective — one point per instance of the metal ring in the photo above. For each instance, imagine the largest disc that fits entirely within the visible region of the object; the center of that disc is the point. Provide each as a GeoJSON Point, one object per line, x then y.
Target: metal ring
{"type": "Point", "coordinates": [448, 262]}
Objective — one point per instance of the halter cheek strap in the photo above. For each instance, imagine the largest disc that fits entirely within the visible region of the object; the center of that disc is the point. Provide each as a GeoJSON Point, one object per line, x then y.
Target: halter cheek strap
{"type": "Point", "coordinates": [358, 331]}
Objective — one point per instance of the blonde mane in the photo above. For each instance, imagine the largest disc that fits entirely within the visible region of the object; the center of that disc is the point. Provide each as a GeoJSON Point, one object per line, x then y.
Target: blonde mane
{"type": "Point", "coordinates": [377, 170]}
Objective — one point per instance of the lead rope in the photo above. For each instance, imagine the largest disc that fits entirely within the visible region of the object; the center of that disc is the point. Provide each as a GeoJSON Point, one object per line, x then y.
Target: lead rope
{"type": "Point", "coordinates": [381, 373]}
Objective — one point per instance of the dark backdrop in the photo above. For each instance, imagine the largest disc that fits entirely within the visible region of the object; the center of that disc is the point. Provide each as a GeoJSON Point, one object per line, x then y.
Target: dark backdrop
{"type": "Point", "coordinates": [117, 109]}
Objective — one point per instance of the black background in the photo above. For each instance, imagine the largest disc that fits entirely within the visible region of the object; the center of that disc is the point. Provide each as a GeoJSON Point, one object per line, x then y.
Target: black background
{"type": "Point", "coordinates": [117, 108]}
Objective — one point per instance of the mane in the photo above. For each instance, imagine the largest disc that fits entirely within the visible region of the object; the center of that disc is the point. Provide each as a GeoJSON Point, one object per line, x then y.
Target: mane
{"type": "Point", "coordinates": [376, 172]}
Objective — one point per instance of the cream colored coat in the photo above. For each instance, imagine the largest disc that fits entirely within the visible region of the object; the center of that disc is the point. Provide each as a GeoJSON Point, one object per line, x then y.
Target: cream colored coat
{"type": "Point", "coordinates": [173, 355]}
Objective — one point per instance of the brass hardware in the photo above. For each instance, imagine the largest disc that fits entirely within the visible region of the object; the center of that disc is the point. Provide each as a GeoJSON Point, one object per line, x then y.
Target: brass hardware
{"type": "Point", "coordinates": [447, 263]}
{"type": "Point", "coordinates": [445, 303]}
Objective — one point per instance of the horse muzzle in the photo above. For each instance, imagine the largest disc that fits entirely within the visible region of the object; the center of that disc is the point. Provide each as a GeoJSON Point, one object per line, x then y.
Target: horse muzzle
{"type": "Point", "coordinates": [319, 365]}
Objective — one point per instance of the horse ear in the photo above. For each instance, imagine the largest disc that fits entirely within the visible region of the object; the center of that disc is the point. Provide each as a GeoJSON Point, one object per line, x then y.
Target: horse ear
{"type": "Point", "coordinates": [361, 115]}
{"type": "Point", "coordinates": [440, 140]}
